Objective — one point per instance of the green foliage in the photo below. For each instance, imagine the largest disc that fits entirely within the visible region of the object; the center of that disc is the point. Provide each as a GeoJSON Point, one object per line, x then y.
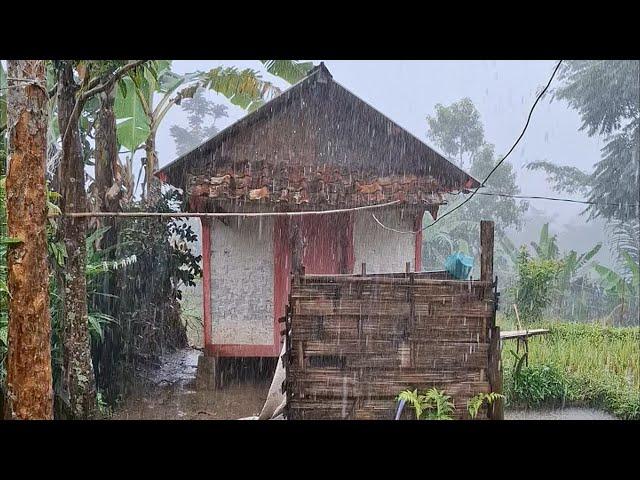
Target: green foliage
{"type": "Point", "coordinates": [202, 116]}
{"type": "Point", "coordinates": [505, 212]}
{"type": "Point", "coordinates": [563, 178]}
{"type": "Point", "coordinates": [291, 71]}
{"type": "Point", "coordinates": [534, 288]}
{"type": "Point", "coordinates": [622, 289]}
{"type": "Point", "coordinates": [605, 94]}
{"type": "Point", "coordinates": [139, 115]}
{"type": "Point", "coordinates": [413, 399]}
{"type": "Point", "coordinates": [3, 118]}
{"type": "Point", "coordinates": [433, 404]}
{"type": "Point", "coordinates": [573, 266]}
{"type": "Point", "coordinates": [244, 88]}
{"type": "Point", "coordinates": [457, 129]}
{"type": "Point", "coordinates": [625, 237]}
{"type": "Point", "coordinates": [570, 290]}
{"type": "Point", "coordinates": [547, 246]}
{"type": "Point", "coordinates": [133, 125]}
{"type": "Point", "coordinates": [537, 385]}
{"type": "Point", "coordinates": [460, 231]}
{"type": "Point", "coordinates": [476, 402]}
{"type": "Point", "coordinates": [579, 364]}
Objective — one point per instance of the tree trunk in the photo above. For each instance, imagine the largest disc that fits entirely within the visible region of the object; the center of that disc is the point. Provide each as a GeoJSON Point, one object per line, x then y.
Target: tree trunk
{"type": "Point", "coordinates": [108, 189]}
{"type": "Point", "coordinates": [106, 151]}
{"type": "Point", "coordinates": [152, 182]}
{"type": "Point", "coordinates": [78, 378]}
{"type": "Point", "coordinates": [29, 380]}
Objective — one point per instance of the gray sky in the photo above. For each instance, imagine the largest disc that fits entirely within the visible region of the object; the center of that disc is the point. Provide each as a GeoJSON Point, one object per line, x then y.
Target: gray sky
{"type": "Point", "coordinates": [503, 92]}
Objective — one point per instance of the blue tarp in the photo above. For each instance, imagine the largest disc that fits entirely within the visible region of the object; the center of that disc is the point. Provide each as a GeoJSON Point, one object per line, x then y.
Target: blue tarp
{"type": "Point", "coordinates": [459, 265]}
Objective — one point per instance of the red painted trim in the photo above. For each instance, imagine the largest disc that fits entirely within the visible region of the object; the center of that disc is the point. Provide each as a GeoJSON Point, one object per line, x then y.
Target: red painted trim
{"type": "Point", "coordinates": [242, 350]}
{"type": "Point", "coordinates": [206, 279]}
{"type": "Point", "coordinates": [162, 176]}
{"type": "Point", "coordinates": [417, 227]}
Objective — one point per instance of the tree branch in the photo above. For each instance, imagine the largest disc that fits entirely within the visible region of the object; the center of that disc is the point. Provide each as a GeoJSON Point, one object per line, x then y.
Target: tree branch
{"type": "Point", "coordinates": [100, 87]}
{"type": "Point", "coordinates": [114, 77]}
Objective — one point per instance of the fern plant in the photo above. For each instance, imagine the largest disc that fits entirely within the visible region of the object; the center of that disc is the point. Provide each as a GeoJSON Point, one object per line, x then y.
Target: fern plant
{"type": "Point", "coordinates": [475, 403]}
{"type": "Point", "coordinates": [434, 404]}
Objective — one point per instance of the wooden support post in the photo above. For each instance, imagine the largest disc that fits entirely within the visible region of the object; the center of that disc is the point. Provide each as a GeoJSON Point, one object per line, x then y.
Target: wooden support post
{"type": "Point", "coordinates": [494, 374]}
{"type": "Point", "coordinates": [364, 269]}
{"type": "Point", "coordinates": [486, 251]}
{"type": "Point", "coordinates": [407, 268]}
{"type": "Point", "coordinates": [206, 225]}
{"type": "Point", "coordinates": [417, 227]}
{"type": "Point", "coordinates": [297, 246]}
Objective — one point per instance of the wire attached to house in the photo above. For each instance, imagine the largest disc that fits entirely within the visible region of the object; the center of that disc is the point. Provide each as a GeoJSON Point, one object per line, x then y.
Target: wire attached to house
{"type": "Point", "coordinates": [223, 214]}
{"type": "Point", "coordinates": [526, 125]}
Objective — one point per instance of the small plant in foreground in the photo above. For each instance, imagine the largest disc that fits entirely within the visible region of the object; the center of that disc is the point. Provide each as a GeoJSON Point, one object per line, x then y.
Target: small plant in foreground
{"type": "Point", "coordinates": [434, 404]}
{"type": "Point", "coordinates": [475, 403]}
{"type": "Point", "coordinates": [539, 384]}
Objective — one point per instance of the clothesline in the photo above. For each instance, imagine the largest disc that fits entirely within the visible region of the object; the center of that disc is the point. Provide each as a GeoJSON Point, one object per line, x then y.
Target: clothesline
{"type": "Point", "coordinates": [222, 214]}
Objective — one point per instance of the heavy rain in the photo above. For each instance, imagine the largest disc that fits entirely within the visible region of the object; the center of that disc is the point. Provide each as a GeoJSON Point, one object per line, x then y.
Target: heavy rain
{"type": "Point", "coordinates": [319, 239]}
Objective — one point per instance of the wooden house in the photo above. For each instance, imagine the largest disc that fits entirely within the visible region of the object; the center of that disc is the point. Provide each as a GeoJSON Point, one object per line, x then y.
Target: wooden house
{"type": "Point", "coordinates": [315, 147]}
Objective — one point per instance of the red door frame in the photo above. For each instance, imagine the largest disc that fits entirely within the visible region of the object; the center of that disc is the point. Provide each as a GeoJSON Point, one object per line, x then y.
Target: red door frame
{"type": "Point", "coordinates": [417, 227]}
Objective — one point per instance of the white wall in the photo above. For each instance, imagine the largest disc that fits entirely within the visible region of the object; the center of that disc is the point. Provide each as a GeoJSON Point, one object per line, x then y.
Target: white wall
{"type": "Point", "coordinates": [242, 281]}
{"type": "Point", "coordinates": [382, 250]}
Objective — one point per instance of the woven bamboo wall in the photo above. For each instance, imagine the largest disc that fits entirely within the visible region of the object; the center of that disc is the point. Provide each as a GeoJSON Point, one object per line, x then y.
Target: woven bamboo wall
{"type": "Point", "coordinates": [354, 342]}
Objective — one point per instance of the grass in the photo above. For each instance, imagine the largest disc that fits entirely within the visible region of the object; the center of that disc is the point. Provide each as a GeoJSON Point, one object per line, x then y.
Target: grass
{"type": "Point", "coordinates": [577, 364]}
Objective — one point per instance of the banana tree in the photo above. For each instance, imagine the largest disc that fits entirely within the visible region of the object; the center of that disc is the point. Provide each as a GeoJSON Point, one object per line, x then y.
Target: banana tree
{"type": "Point", "coordinates": [622, 289]}
{"type": "Point", "coordinates": [547, 246]}
{"type": "Point", "coordinates": [573, 264]}
{"type": "Point", "coordinates": [140, 113]}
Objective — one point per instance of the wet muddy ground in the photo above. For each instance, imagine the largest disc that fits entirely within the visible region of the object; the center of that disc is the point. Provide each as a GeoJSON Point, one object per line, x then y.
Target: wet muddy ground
{"type": "Point", "coordinates": [169, 393]}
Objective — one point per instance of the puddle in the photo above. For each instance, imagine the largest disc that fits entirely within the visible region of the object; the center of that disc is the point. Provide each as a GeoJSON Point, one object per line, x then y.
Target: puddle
{"type": "Point", "coordinates": [569, 413]}
{"type": "Point", "coordinates": [169, 393]}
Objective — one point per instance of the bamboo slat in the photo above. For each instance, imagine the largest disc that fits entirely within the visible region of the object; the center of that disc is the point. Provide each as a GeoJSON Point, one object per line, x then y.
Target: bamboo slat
{"type": "Point", "coordinates": [356, 341]}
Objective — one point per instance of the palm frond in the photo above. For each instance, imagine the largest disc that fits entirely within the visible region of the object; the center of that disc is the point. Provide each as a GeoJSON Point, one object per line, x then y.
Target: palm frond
{"type": "Point", "coordinates": [290, 70]}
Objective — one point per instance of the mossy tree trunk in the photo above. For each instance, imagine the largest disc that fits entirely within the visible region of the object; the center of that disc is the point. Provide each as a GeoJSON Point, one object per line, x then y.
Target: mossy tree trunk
{"type": "Point", "coordinates": [108, 181]}
{"type": "Point", "coordinates": [29, 378]}
{"type": "Point", "coordinates": [78, 376]}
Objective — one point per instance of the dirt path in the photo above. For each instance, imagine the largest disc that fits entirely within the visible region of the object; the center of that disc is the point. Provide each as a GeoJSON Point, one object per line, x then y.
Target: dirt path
{"type": "Point", "coordinates": [169, 393]}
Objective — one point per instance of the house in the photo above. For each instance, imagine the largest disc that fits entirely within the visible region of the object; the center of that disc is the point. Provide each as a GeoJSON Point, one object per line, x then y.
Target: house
{"type": "Point", "coordinates": [315, 147]}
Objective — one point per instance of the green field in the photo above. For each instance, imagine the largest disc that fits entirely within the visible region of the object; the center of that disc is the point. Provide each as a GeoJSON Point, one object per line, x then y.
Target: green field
{"type": "Point", "coordinates": [576, 364]}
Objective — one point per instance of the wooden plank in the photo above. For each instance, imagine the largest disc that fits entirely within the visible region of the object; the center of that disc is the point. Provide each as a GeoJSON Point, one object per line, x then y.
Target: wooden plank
{"type": "Point", "coordinates": [511, 334]}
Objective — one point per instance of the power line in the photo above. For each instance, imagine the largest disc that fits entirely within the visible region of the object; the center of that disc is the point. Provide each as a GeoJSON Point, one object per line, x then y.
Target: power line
{"type": "Point", "coordinates": [526, 125]}
{"type": "Point", "coordinates": [556, 199]}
